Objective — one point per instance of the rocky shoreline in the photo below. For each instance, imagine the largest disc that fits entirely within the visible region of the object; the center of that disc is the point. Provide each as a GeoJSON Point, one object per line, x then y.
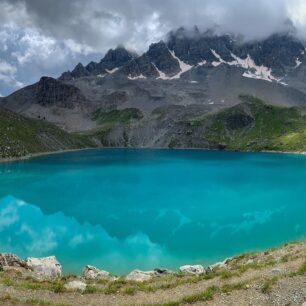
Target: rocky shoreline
{"type": "Point", "coordinates": [30, 156]}
{"type": "Point", "coordinates": [275, 276]}
{"type": "Point", "coordinates": [49, 268]}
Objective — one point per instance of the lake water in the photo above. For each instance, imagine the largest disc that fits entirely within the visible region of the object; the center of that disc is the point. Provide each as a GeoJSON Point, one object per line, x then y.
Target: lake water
{"type": "Point", "coordinates": [120, 209]}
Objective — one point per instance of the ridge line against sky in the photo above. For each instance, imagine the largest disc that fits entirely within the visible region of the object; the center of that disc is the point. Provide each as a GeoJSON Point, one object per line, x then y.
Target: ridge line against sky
{"type": "Point", "coordinates": [47, 37]}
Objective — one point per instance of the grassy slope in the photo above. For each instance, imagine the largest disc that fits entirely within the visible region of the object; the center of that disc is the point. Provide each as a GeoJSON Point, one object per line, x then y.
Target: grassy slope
{"type": "Point", "coordinates": [20, 136]}
{"type": "Point", "coordinates": [111, 120]}
{"type": "Point", "coordinates": [254, 125]}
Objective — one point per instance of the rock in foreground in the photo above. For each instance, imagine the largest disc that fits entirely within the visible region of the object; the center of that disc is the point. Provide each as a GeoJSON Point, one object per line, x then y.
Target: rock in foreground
{"type": "Point", "coordinates": [197, 269]}
{"type": "Point", "coordinates": [90, 272]}
{"type": "Point", "coordinates": [11, 260]}
{"type": "Point", "coordinates": [140, 276]}
{"type": "Point", "coordinates": [47, 267]}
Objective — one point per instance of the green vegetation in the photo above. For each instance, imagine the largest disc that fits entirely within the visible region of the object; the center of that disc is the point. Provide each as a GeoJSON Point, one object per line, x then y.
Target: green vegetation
{"type": "Point", "coordinates": [56, 285]}
{"type": "Point", "coordinates": [8, 299]}
{"type": "Point", "coordinates": [206, 295]}
{"type": "Point", "coordinates": [111, 120]}
{"type": "Point", "coordinates": [302, 269]}
{"type": "Point", "coordinates": [268, 284]}
{"type": "Point", "coordinates": [254, 125]}
{"type": "Point", "coordinates": [21, 136]}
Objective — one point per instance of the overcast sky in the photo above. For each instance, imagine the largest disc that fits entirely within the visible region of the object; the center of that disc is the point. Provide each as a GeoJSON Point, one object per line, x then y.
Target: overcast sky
{"type": "Point", "coordinates": [47, 37]}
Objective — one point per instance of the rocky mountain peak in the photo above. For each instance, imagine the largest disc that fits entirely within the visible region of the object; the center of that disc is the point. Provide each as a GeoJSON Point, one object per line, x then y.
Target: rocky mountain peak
{"type": "Point", "coordinates": [49, 91]}
{"type": "Point", "coordinates": [112, 61]}
{"type": "Point", "coordinates": [117, 57]}
{"type": "Point", "coordinates": [160, 55]}
{"type": "Point", "coordinates": [189, 49]}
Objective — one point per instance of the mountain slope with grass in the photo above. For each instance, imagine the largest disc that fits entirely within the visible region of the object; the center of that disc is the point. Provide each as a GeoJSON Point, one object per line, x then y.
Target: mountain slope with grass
{"type": "Point", "coordinates": [251, 125]}
{"type": "Point", "coordinates": [21, 136]}
{"type": "Point", "coordinates": [254, 125]}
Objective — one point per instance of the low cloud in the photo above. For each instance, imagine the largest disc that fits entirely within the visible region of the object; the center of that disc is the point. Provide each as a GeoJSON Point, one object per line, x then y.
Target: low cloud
{"type": "Point", "coordinates": [8, 73]}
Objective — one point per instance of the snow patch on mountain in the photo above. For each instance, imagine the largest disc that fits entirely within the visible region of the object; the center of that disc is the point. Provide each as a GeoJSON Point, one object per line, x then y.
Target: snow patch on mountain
{"type": "Point", "coordinates": [221, 60]}
{"type": "Point", "coordinates": [216, 64]}
{"type": "Point", "coordinates": [138, 77]}
{"type": "Point", "coordinates": [162, 75]}
{"type": "Point", "coordinates": [183, 66]}
{"type": "Point", "coordinates": [298, 63]}
{"type": "Point", "coordinates": [112, 71]}
{"type": "Point", "coordinates": [204, 62]}
{"type": "Point", "coordinates": [253, 71]}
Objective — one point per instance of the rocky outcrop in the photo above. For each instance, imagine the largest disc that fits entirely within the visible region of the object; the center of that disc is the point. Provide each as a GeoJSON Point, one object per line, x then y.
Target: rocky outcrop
{"type": "Point", "coordinates": [220, 265]}
{"type": "Point", "coordinates": [47, 267]}
{"type": "Point", "coordinates": [114, 59]}
{"type": "Point", "coordinates": [140, 276]}
{"type": "Point", "coordinates": [79, 71]}
{"type": "Point", "coordinates": [162, 271]}
{"type": "Point", "coordinates": [11, 260]}
{"type": "Point", "coordinates": [277, 52]}
{"type": "Point", "coordinates": [49, 91]}
{"type": "Point", "coordinates": [197, 269]}
{"type": "Point", "coordinates": [162, 58]}
{"type": "Point", "coordinates": [90, 272]}
{"type": "Point", "coordinates": [140, 68]}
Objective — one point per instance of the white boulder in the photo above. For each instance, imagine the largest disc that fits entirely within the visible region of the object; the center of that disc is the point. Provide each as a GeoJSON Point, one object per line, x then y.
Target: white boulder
{"type": "Point", "coordinates": [140, 276]}
{"type": "Point", "coordinates": [90, 272]}
{"type": "Point", "coordinates": [47, 267]}
{"type": "Point", "coordinates": [197, 269]}
{"type": "Point", "coordinates": [75, 285]}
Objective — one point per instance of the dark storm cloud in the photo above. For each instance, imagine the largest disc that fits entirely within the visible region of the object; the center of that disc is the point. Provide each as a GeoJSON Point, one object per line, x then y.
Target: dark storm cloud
{"type": "Point", "coordinates": [97, 23]}
{"type": "Point", "coordinates": [48, 36]}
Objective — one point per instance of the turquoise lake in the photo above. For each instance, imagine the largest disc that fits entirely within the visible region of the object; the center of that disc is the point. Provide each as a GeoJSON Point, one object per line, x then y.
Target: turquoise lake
{"type": "Point", "coordinates": [120, 209]}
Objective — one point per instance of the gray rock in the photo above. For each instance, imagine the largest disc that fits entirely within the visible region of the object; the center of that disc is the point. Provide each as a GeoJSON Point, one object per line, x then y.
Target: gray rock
{"type": "Point", "coordinates": [75, 285]}
{"type": "Point", "coordinates": [220, 265]}
{"type": "Point", "coordinates": [162, 271]}
{"type": "Point", "coordinates": [141, 66]}
{"type": "Point", "coordinates": [11, 260]}
{"type": "Point", "coordinates": [90, 272]}
{"type": "Point", "coordinates": [276, 270]}
{"type": "Point", "coordinates": [140, 276]}
{"type": "Point", "coordinates": [196, 269]}
{"type": "Point", "coordinates": [47, 267]}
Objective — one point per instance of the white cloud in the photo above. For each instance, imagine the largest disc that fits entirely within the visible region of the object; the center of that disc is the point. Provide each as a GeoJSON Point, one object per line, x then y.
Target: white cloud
{"type": "Point", "coordinates": [8, 216]}
{"type": "Point", "coordinates": [7, 74]}
{"type": "Point", "coordinates": [46, 51]}
{"type": "Point", "coordinates": [36, 245]}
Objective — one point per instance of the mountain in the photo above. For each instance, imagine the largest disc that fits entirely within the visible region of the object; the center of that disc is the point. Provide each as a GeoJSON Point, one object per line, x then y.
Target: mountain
{"type": "Point", "coordinates": [145, 100]}
{"type": "Point", "coordinates": [114, 59]}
